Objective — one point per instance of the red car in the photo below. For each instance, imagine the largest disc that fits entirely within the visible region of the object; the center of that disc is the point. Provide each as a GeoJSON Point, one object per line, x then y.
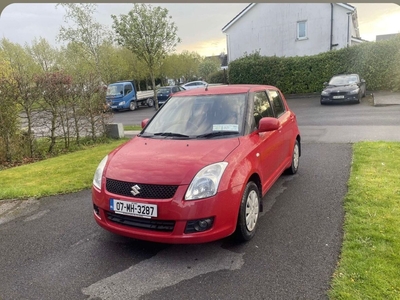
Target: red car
{"type": "Point", "coordinates": [198, 170]}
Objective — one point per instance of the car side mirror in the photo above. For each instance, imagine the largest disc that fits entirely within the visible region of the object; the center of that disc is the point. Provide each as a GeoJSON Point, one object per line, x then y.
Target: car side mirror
{"type": "Point", "coordinates": [144, 123]}
{"type": "Point", "coordinates": [268, 124]}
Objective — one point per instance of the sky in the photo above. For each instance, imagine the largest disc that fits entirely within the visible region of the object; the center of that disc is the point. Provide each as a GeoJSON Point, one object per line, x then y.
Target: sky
{"type": "Point", "coordinates": [199, 24]}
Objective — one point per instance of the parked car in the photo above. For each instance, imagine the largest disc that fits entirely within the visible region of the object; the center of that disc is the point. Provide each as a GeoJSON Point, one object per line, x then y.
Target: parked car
{"type": "Point", "coordinates": [163, 93]}
{"type": "Point", "coordinates": [343, 88]}
{"type": "Point", "coordinates": [194, 84]}
{"type": "Point", "coordinates": [199, 168]}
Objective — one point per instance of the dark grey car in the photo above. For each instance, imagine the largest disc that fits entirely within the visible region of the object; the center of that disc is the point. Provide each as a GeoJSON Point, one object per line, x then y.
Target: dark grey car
{"type": "Point", "coordinates": [343, 88]}
{"type": "Point", "coordinates": [163, 93]}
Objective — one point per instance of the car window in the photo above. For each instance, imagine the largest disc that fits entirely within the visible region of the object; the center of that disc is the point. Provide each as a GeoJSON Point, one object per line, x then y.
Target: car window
{"type": "Point", "coordinates": [199, 115]}
{"type": "Point", "coordinates": [277, 102]}
{"type": "Point", "coordinates": [127, 89]}
{"type": "Point", "coordinates": [262, 107]}
{"type": "Point", "coordinates": [164, 91]}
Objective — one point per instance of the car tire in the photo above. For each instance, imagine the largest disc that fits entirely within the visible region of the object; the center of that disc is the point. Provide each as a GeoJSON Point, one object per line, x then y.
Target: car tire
{"type": "Point", "coordinates": [295, 159]}
{"type": "Point", "coordinates": [132, 106]}
{"type": "Point", "coordinates": [249, 213]}
{"type": "Point", "coordinates": [150, 102]}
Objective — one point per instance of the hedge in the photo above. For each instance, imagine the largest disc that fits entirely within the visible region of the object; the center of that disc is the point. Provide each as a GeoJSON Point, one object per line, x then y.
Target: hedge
{"type": "Point", "coordinates": [376, 62]}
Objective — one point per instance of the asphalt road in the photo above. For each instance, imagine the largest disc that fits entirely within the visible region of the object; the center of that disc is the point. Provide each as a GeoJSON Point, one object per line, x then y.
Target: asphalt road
{"type": "Point", "coordinates": [52, 249]}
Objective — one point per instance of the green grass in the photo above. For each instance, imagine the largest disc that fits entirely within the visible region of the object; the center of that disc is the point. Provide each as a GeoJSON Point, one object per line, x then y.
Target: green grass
{"type": "Point", "coordinates": [62, 174]}
{"type": "Point", "coordinates": [133, 127]}
{"type": "Point", "coordinates": [369, 267]}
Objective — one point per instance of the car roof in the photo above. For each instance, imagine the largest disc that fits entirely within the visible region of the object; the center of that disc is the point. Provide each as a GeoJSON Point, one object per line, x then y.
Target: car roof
{"type": "Point", "coordinates": [225, 89]}
{"type": "Point", "coordinates": [337, 75]}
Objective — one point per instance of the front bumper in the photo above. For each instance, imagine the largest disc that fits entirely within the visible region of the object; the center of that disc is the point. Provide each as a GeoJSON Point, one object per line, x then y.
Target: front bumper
{"type": "Point", "coordinates": [346, 99]}
{"type": "Point", "coordinates": [175, 216]}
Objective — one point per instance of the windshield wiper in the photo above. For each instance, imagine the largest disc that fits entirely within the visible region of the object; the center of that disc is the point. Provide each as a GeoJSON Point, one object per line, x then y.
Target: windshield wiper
{"type": "Point", "coordinates": [216, 133]}
{"type": "Point", "coordinates": [171, 134]}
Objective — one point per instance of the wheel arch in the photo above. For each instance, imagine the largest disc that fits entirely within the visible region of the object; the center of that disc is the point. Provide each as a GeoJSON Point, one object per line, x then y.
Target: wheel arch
{"type": "Point", "coordinates": [298, 138]}
{"type": "Point", "coordinates": [257, 180]}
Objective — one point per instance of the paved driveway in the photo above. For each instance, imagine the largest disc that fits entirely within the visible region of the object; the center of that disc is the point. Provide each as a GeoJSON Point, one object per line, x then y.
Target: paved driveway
{"type": "Point", "coordinates": [52, 249]}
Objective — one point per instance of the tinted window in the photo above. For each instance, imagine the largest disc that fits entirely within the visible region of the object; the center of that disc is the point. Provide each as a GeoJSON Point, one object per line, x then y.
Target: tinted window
{"type": "Point", "coordinates": [277, 102]}
{"type": "Point", "coordinates": [262, 107]}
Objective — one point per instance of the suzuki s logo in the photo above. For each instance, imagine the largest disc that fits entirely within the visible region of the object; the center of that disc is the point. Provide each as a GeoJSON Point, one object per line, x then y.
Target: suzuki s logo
{"type": "Point", "coordinates": [135, 190]}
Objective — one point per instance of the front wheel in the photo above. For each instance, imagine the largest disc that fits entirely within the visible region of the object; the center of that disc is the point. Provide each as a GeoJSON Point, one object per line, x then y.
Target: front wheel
{"type": "Point", "coordinates": [248, 213]}
{"type": "Point", "coordinates": [295, 159]}
{"type": "Point", "coordinates": [132, 105]}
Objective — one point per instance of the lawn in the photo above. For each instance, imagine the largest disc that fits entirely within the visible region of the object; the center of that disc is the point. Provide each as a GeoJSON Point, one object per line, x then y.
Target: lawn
{"type": "Point", "coordinates": [369, 264]}
{"type": "Point", "coordinates": [58, 175]}
{"type": "Point", "coordinates": [369, 267]}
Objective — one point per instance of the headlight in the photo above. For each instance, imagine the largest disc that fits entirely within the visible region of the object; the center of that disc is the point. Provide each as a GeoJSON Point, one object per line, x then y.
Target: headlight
{"type": "Point", "coordinates": [353, 92]}
{"type": "Point", "coordinates": [122, 103]}
{"type": "Point", "coordinates": [99, 173]}
{"type": "Point", "coordinates": [205, 183]}
{"type": "Point", "coordinates": [324, 93]}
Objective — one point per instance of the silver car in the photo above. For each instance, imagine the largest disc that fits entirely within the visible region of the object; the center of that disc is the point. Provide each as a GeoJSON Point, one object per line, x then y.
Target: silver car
{"type": "Point", "coordinates": [194, 84]}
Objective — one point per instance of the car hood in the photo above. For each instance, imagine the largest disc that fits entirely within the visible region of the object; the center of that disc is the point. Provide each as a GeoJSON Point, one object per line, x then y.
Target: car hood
{"type": "Point", "coordinates": [341, 88]}
{"type": "Point", "coordinates": [166, 161]}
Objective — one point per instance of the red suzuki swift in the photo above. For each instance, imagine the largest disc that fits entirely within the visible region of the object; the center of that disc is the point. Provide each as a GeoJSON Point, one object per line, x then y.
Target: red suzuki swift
{"type": "Point", "coordinates": [198, 170]}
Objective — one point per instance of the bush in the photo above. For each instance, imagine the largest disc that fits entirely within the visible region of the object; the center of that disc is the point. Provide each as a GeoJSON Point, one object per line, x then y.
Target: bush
{"type": "Point", "coordinates": [220, 76]}
{"type": "Point", "coordinates": [376, 62]}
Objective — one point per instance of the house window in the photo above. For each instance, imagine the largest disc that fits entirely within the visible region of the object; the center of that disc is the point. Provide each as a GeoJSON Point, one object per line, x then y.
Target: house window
{"type": "Point", "coordinates": [301, 30]}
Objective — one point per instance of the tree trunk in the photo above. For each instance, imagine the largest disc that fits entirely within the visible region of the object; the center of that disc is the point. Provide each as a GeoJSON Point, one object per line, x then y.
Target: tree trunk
{"type": "Point", "coordinates": [153, 82]}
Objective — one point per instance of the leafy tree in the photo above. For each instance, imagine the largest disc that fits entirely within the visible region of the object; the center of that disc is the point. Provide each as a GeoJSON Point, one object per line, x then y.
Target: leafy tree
{"type": "Point", "coordinates": [84, 32]}
{"type": "Point", "coordinates": [149, 33]}
{"type": "Point", "coordinates": [43, 54]}
{"type": "Point", "coordinates": [191, 62]}
{"type": "Point", "coordinates": [209, 66]}
{"type": "Point", "coordinates": [8, 112]}
{"type": "Point", "coordinates": [24, 69]}
{"type": "Point", "coordinates": [184, 65]}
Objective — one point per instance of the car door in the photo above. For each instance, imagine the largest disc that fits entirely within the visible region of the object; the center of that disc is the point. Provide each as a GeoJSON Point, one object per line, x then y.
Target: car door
{"type": "Point", "coordinates": [269, 144]}
{"type": "Point", "coordinates": [286, 119]}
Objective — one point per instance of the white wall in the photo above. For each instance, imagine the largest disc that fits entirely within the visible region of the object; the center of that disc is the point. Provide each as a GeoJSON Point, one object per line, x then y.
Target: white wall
{"type": "Point", "coordinates": [271, 28]}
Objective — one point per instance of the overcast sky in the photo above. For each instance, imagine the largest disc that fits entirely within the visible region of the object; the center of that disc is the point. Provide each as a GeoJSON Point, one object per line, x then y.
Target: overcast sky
{"type": "Point", "coordinates": [199, 24]}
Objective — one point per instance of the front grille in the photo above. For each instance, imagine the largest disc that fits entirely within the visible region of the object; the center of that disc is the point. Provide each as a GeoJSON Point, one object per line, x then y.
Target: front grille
{"type": "Point", "coordinates": [146, 191]}
{"type": "Point", "coordinates": [143, 223]}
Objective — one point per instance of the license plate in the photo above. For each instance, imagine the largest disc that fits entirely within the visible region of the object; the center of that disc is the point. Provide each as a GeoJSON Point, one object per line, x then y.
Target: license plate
{"type": "Point", "coordinates": [113, 106]}
{"type": "Point", "coordinates": [338, 97]}
{"type": "Point", "coordinates": [133, 209]}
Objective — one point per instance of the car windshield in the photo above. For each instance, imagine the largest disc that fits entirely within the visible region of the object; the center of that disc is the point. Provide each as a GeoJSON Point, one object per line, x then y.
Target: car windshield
{"type": "Point", "coordinates": [115, 89]}
{"type": "Point", "coordinates": [205, 116]}
{"type": "Point", "coordinates": [343, 80]}
{"type": "Point", "coordinates": [164, 91]}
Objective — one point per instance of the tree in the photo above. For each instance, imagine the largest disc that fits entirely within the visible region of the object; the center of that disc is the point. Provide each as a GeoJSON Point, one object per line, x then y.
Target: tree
{"type": "Point", "coordinates": [149, 33]}
{"type": "Point", "coordinates": [24, 69]}
{"type": "Point", "coordinates": [43, 54]}
{"type": "Point", "coordinates": [185, 64]}
{"type": "Point", "coordinates": [9, 110]}
{"type": "Point", "coordinates": [191, 62]}
{"type": "Point", "coordinates": [85, 32]}
{"type": "Point", "coordinates": [209, 66]}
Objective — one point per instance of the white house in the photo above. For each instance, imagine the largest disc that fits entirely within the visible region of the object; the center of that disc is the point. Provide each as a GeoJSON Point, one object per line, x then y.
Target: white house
{"type": "Point", "coordinates": [291, 29]}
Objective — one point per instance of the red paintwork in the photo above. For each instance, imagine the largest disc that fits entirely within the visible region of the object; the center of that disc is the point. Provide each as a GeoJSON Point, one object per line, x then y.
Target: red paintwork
{"type": "Point", "coordinates": [175, 162]}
